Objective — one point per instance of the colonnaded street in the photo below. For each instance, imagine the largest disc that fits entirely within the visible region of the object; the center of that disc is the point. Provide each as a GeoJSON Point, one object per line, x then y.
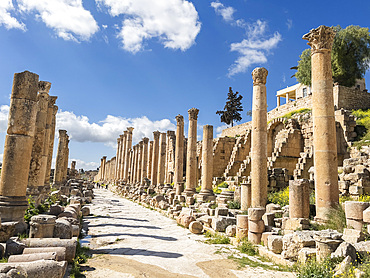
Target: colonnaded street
{"type": "Point", "coordinates": [129, 240]}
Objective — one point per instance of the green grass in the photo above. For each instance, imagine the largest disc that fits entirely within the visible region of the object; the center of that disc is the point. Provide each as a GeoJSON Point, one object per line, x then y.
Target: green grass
{"type": "Point", "coordinates": [82, 255]}
{"type": "Point", "coordinates": [216, 238]}
{"type": "Point", "coordinates": [244, 261]}
{"type": "Point", "coordinates": [298, 111]}
{"type": "Point", "coordinates": [248, 248]}
{"type": "Point", "coordinates": [337, 221]}
{"type": "Point", "coordinates": [362, 128]}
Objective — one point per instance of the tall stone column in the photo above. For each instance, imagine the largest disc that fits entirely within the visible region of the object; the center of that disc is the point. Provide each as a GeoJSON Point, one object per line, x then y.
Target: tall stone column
{"type": "Point", "coordinates": [104, 163]}
{"type": "Point", "coordinates": [191, 158]}
{"type": "Point", "coordinates": [139, 161]}
{"type": "Point", "coordinates": [134, 163]}
{"type": "Point", "coordinates": [38, 162]}
{"type": "Point", "coordinates": [123, 155]}
{"type": "Point", "coordinates": [18, 148]}
{"type": "Point", "coordinates": [127, 153]}
{"type": "Point", "coordinates": [179, 155]}
{"type": "Point", "coordinates": [150, 158]}
{"type": "Point", "coordinates": [52, 109]}
{"type": "Point", "coordinates": [206, 192]}
{"type": "Point", "coordinates": [118, 155]}
{"type": "Point", "coordinates": [324, 132]}
{"type": "Point", "coordinates": [154, 177]}
{"type": "Point", "coordinates": [144, 161]}
{"type": "Point", "coordinates": [66, 159]}
{"type": "Point", "coordinates": [161, 159]}
{"type": "Point", "coordinates": [170, 156]}
{"type": "Point", "coordinates": [60, 159]}
{"type": "Point", "coordinates": [259, 139]}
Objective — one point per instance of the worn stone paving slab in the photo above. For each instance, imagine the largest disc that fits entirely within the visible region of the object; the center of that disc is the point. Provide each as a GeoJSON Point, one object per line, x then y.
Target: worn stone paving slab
{"type": "Point", "coordinates": [129, 240]}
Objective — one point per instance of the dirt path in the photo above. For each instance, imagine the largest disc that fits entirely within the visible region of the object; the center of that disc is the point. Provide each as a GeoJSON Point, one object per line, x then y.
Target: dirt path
{"type": "Point", "coordinates": [128, 240]}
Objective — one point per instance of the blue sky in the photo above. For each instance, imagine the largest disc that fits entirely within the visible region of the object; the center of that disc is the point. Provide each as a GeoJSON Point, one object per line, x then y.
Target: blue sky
{"type": "Point", "coordinates": [115, 63]}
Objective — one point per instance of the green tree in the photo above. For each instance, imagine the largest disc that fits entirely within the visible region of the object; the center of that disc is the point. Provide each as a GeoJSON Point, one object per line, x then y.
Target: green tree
{"type": "Point", "coordinates": [232, 108]}
{"type": "Point", "coordinates": [350, 57]}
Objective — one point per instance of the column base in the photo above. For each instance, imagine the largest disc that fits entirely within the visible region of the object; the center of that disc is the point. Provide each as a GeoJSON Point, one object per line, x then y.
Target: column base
{"type": "Point", "coordinates": [12, 209]}
{"type": "Point", "coordinates": [179, 188]}
{"type": "Point", "coordinates": [189, 192]}
{"type": "Point", "coordinates": [206, 195]}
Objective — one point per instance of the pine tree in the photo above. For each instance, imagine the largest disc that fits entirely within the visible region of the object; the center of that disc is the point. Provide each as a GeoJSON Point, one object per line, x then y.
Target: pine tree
{"type": "Point", "coordinates": [232, 108]}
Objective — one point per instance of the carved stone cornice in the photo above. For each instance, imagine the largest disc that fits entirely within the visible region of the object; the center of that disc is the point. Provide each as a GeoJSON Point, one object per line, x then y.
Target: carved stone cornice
{"type": "Point", "coordinates": [259, 76]}
{"type": "Point", "coordinates": [44, 86]}
{"type": "Point", "coordinates": [180, 120]}
{"type": "Point", "coordinates": [320, 38]}
{"type": "Point", "coordinates": [193, 113]}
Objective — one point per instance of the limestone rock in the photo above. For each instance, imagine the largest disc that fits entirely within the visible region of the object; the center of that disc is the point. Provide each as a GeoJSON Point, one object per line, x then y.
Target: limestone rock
{"type": "Point", "coordinates": [242, 221]}
{"type": "Point", "coordinates": [221, 211]}
{"type": "Point", "coordinates": [56, 210]}
{"type": "Point", "coordinates": [363, 247]}
{"type": "Point", "coordinates": [275, 243]}
{"type": "Point", "coordinates": [341, 268]}
{"type": "Point", "coordinates": [354, 210]}
{"type": "Point", "coordinates": [241, 233]}
{"type": "Point", "coordinates": [62, 229]}
{"type": "Point", "coordinates": [366, 215]}
{"type": "Point", "coordinates": [196, 227]}
{"type": "Point", "coordinates": [231, 230]}
{"type": "Point", "coordinates": [306, 254]}
{"type": "Point", "coordinates": [268, 218]}
{"type": "Point", "coordinates": [186, 220]}
{"type": "Point", "coordinates": [352, 236]}
{"type": "Point", "coordinates": [39, 269]}
{"type": "Point", "coordinates": [272, 208]}
{"type": "Point", "coordinates": [255, 214]}
{"type": "Point", "coordinates": [85, 211]}
{"type": "Point", "coordinates": [345, 249]}
{"type": "Point", "coordinates": [219, 224]}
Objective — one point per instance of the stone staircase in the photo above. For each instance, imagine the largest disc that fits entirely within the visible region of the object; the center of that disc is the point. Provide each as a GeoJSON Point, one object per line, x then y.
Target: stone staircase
{"type": "Point", "coordinates": [240, 151]}
{"type": "Point", "coordinates": [245, 168]}
{"type": "Point", "coordinates": [305, 162]}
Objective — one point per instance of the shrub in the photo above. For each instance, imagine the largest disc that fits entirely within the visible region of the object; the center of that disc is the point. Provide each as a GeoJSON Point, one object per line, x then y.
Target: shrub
{"type": "Point", "coordinates": [314, 269]}
{"type": "Point", "coordinates": [248, 248]}
{"type": "Point", "coordinates": [280, 197]}
{"type": "Point", "coordinates": [216, 238]}
{"type": "Point", "coordinates": [234, 205]}
{"type": "Point", "coordinates": [363, 127]}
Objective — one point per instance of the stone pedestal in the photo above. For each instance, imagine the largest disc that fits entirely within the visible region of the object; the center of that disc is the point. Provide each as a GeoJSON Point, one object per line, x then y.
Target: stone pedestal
{"type": "Point", "coordinates": [299, 198]}
{"type": "Point", "coordinates": [259, 139]}
{"type": "Point", "coordinates": [18, 148]}
{"type": "Point", "coordinates": [42, 226]}
{"type": "Point", "coordinates": [191, 158]}
{"type": "Point", "coordinates": [324, 131]}
{"type": "Point", "coordinates": [179, 155]}
{"type": "Point", "coordinates": [245, 196]}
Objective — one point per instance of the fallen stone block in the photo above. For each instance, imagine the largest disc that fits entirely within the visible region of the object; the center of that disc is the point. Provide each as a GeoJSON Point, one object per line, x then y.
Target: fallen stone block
{"type": "Point", "coordinates": [354, 210]}
{"type": "Point", "coordinates": [32, 257]}
{"type": "Point", "coordinates": [42, 226]}
{"type": "Point", "coordinates": [345, 249]}
{"type": "Point", "coordinates": [275, 243]}
{"type": "Point", "coordinates": [62, 229]}
{"type": "Point", "coordinates": [306, 254]}
{"type": "Point", "coordinates": [255, 214]}
{"type": "Point", "coordinates": [60, 251]}
{"type": "Point", "coordinates": [39, 269]}
{"type": "Point", "coordinates": [219, 224]}
{"type": "Point", "coordinates": [231, 230]}
{"type": "Point", "coordinates": [352, 236]}
{"type": "Point", "coordinates": [85, 211]}
{"type": "Point", "coordinates": [196, 227]}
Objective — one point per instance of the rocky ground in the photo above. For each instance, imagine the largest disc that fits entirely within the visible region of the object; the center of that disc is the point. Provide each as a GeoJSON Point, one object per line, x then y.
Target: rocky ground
{"type": "Point", "coordinates": [128, 240]}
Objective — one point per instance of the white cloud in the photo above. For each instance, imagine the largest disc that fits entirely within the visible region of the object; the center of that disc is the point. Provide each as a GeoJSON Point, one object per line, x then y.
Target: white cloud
{"type": "Point", "coordinates": [4, 112]}
{"type": "Point", "coordinates": [67, 17]}
{"type": "Point", "coordinates": [107, 131]}
{"type": "Point", "coordinates": [289, 24]}
{"type": "Point", "coordinates": [226, 12]}
{"type": "Point", "coordinates": [219, 129]}
{"type": "Point", "coordinates": [254, 49]}
{"type": "Point", "coordinates": [6, 18]}
{"type": "Point", "coordinates": [174, 22]}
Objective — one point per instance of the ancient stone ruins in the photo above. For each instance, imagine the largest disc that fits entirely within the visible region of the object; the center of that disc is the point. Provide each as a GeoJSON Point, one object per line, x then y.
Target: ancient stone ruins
{"type": "Point", "coordinates": [310, 152]}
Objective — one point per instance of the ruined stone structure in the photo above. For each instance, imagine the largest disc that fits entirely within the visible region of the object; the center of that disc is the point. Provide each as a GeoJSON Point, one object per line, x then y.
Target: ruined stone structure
{"type": "Point", "coordinates": [61, 164]}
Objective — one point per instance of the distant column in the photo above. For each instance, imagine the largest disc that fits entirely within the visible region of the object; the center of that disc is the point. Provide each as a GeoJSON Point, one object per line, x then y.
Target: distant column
{"type": "Point", "coordinates": [123, 155]}
{"type": "Point", "coordinates": [59, 164]}
{"type": "Point", "coordinates": [144, 165]}
{"type": "Point", "coordinates": [170, 156]}
{"type": "Point", "coordinates": [324, 130]}
{"type": "Point", "coordinates": [66, 159]}
{"type": "Point", "coordinates": [207, 163]}
{"type": "Point", "coordinates": [134, 164]}
{"type": "Point", "coordinates": [150, 159]}
{"type": "Point", "coordinates": [118, 155]}
{"type": "Point", "coordinates": [18, 148]}
{"type": "Point", "coordinates": [191, 159]}
{"type": "Point", "coordinates": [139, 161]}
{"type": "Point", "coordinates": [104, 168]}
{"type": "Point", "coordinates": [179, 155]}
{"type": "Point", "coordinates": [259, 139]}
{"type": "Point", "coordinates": [154, 178]}
{"type": "Point", "coordinates": [161, 159]}
{"type": "Point", "coordinates": [127, 153]}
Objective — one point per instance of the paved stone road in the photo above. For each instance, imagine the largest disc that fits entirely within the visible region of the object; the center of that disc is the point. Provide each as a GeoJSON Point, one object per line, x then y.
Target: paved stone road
{"type": "Point", "coordinates": [129, 240]}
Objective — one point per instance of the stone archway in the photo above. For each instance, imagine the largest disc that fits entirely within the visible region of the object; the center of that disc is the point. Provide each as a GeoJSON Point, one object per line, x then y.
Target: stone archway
{"type": "Point", "coordinates": [273, 129]}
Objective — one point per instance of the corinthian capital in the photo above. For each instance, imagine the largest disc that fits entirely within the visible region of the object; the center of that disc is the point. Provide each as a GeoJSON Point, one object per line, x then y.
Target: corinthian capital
{"type": "Point", "coordinates": [320, 38]}
{"type": "Point", "coordinates": [44, 86]}
{"type": "Point", "coordinates": [193, 113]}
{"type": "Point", "coordinates": [179, 120]}
{"type": "Point", "coordinates": [259, 76]}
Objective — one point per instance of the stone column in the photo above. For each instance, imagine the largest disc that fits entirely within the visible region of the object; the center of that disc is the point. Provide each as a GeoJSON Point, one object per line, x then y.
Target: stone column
{"type": "Point", "coordinates": [18, 148]}
{"type": "Point", "coordinates": [38, 162]}
{"type": "Point", "coordinates": [59, 164]}
{"type": "Point", "coordinates": [66, 159]}
{"type": "Point", "coordinates": [206, 192]}
{"type": "Point", "coordinates": [161, 159]}
{"type": "Point", "coordinates": [144, 165]}
{"type": "Point", "coordinates": [104, 168]}
{"type": "Point", "coordinates": [170, 157]}
{"type": "Point", "coordinates": [154, 177]}
{"type": "Point", "coordinates": [73, 171]}
{"type": "Point", "coordinates": [129, 171]}
{"type": "Point", "coordinates": [179, 155]}
{"type": "Point", "coordinates": [53, 109]}
{"type": "Point", "coordinates": [324, 132]}
{"type": "Point", "coordinates": [150, 159]}
{"type": "Point", "coordinates": [134, 164]}
{"type": "Point", "coordinates": [299, 198]}
{"type": "Point", "coordinates": [123, 155]}
{"type": "Point", "coordinates": [245, 196]}
{"type": "Point", "coordinates": [259, 139]}
{"type": "Point", "coordinates": [101, 170]}
{"type": "Point", "coordinates": [118, 155]}
{"type": "Point", "coordinates": [127, 153]}
{"type": "Point", "coordinates": [191, 158]}
{"type": "Point", "coordinates": [139, 161]}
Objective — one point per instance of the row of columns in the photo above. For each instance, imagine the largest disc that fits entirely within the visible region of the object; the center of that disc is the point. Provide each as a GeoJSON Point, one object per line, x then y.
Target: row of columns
{"type": "Point", "coordinates": [28, 147]}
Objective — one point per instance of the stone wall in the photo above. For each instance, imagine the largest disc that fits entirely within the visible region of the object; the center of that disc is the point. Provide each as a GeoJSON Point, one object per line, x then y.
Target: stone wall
{"type": "Point", "coordinates": [350, 98]}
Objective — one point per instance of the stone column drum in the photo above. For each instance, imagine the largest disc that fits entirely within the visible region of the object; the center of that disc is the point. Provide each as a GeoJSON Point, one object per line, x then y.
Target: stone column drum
{"type": "Point", "coordinates": [324, 131]}
{"type": "Point", "coordinates": [191, 158]}
{"type": "Point", "coordinates": [154, 177]}
{"type": "Point", "coordinates": [18, 148]}
{"type": "Point", "coordinates": [299, 199]}
{"type": "Point", "coordinates": [245, 196]}
{"type": "Point", "coordinates": [52, 110]}
{"type": "Point", "coordinates": [38, 162]}
{"type": "Point", "coordinates": [127, 153]}
{"type": "Point", "coordinates": [259, 139]}
{"type": "Point", "coordinates": [206, 192]}
{"type": "Point", "coordinates": [161, 159]}
{"type": "Point", "coordinates": [179, 155]}
{"type": "Point", "coordinates": [144, 161]}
